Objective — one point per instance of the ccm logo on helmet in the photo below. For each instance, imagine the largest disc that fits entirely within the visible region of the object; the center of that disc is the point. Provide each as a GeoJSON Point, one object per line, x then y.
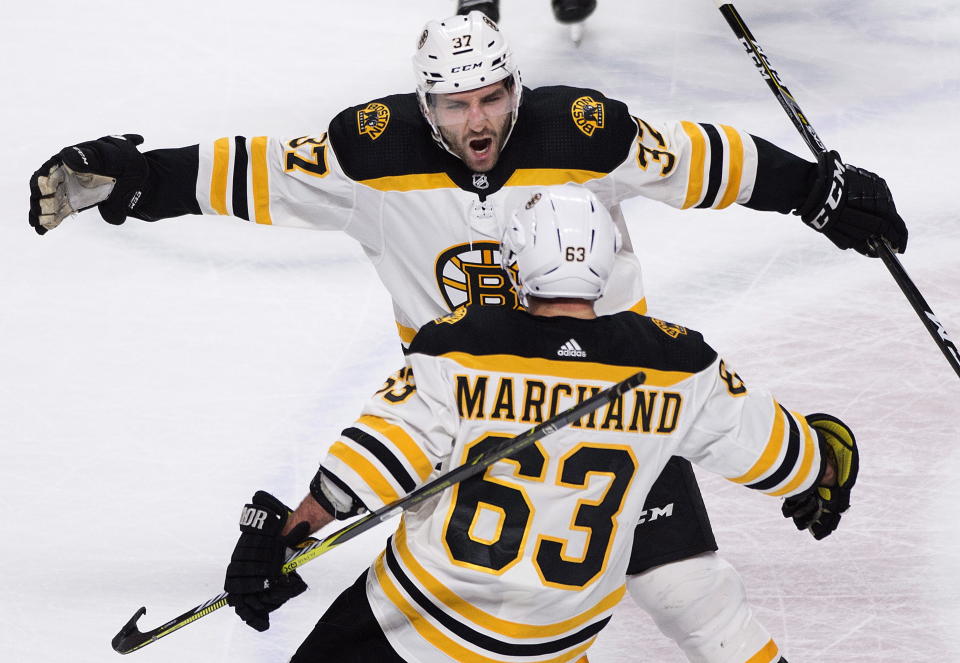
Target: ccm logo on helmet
{"type": "Point", "coordinates": [466, 67]}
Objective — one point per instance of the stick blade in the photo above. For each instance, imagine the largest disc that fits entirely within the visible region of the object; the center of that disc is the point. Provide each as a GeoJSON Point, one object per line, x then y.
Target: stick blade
{"type": "Point", "coordinates": [129, 637]}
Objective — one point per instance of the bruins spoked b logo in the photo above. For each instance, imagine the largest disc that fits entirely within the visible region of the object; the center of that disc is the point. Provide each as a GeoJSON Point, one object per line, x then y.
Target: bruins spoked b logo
{"type": "Point", "coordinates": [373, 120]}
{"type": "Point", "coordinates": [471, 274]}
{"type": "Point", "coordinates": [587, 115]}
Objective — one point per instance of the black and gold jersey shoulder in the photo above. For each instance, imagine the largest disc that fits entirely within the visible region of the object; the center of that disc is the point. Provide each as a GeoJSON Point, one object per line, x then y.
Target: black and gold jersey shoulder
{"type": "Point", "coordinates": [568, 128]}
{"type": "Point", "coordinates": [388, 137]}
{"type": "Point", "coordinates": [622, 339]}
{"type": "Point", "coordinates": [558, 128]}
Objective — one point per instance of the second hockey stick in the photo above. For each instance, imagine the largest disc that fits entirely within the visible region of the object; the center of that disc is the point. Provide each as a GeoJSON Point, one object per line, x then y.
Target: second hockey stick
{"type": "Point", "coordinates": [792, 109]}
{"type": "Point", "coordinates": [130, 638]}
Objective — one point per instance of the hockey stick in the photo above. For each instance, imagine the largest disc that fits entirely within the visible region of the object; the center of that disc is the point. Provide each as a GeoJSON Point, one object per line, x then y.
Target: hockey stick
{"type": "Point", "coordinates": [792, 109]}
{"type": "Point", "coordinates": [130, 638]}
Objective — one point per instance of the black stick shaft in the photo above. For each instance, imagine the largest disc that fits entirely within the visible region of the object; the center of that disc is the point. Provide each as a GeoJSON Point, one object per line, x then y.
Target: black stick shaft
{"type": "Point", "coordinates": [810, 137]}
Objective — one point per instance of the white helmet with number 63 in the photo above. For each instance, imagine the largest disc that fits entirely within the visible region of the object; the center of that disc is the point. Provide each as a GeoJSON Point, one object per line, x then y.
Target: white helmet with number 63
{"type": "Point", "coordinates": [460, 54]}
{"type": "Point", "coordinates": [561, 243]}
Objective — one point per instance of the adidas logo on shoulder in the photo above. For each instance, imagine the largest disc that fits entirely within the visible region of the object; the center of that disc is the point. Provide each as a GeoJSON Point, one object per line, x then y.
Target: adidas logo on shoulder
{"type": "Point", "coordinates": [571, 349]}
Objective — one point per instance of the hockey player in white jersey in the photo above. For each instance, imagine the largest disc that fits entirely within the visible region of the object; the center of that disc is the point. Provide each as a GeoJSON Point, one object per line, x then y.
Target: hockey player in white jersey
{"type": "Point", "coordinates": [422, 182]}
{"type": "Point", "coordinates": [525, 562]}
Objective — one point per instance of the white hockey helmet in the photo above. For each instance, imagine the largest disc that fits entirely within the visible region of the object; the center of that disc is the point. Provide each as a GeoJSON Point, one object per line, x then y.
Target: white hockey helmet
{"type": "Point", "coordinates": [561, 243]}
{"type": "Point", "coordinates": [460, 54]}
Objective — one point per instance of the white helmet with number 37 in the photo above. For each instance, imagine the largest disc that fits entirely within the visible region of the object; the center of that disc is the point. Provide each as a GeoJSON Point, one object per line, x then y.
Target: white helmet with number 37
{"type": "Point", "coordinates": [561, 243]}
{"type": "Point", "coordinates": [460, 54]}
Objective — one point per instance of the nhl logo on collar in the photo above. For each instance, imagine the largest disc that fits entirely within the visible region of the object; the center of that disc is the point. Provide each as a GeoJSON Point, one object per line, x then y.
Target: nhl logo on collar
{"type": "Point", "coordinates": [587, 115]}
{"type": "Point", "coordinates": [480, 181]}
{"type": "Point", "coordinates": [373, 120]}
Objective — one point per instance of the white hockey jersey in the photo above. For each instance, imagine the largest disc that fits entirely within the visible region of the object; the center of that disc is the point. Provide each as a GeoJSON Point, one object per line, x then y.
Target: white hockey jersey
{"type": "Point", "coordinates": [431, 227]}
{"type": "Point", "coordinates": [526, 561]}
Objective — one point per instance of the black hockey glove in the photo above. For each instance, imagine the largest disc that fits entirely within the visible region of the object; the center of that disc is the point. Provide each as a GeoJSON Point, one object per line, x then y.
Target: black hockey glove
{"type": "Point", "coordinates": [819, 509]}
{"type": "Point", "coordinates": [109, 172]}
{"type": "Point", "coordinates": [850, 206]}
{"type": "Point", "coordinates": [254, 584]}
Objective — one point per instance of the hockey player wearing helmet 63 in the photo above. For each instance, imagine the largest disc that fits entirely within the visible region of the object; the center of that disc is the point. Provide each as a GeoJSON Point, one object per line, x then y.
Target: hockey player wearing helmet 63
{"type": "Point", "coordinates": [423, 182]}
{"type": "Point", "coordinates": [568, 242]}
{"type": "Point", "coordinates": [462, 578]}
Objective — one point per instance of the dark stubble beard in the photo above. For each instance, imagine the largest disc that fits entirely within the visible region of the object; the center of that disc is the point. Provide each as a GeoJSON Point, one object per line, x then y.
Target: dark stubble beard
{"type": "Point", "coordinates": [460, 146]}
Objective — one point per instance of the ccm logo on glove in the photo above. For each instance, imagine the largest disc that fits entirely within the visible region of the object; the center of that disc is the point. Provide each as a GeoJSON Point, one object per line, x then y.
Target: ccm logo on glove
{"type": "Point", "coordinates": [251, 517]}
{"type": "Point", "coordinates": [833, 199]}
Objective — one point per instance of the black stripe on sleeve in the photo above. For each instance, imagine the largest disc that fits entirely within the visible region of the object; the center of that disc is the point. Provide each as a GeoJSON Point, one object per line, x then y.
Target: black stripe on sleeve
{"type": "Point", "coordinates": [789, 461]}
{"type": "Point", "coordinates": [494, 645]}
{"type": "Point", "coordinates": [716, 166]}
{"type": "Point", "coordinates": [383, 454]}
{"type": "Point", "coordinates": [240, 162]}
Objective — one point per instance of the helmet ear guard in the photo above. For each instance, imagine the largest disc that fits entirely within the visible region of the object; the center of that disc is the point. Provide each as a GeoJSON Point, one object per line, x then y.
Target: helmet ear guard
{"type": "Point", "coordinates": [561, 243]}
{"type": "Point", "coordinates": [461, 54]}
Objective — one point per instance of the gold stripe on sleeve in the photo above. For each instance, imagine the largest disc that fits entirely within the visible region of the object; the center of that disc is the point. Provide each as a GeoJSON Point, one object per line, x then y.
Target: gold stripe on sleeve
{"type": "Point", "coordinates": [406, 334]}
{"type": "Point", "coordinates": [218, 181]}
{"type": "Point", "coordinates": [809, 452]}
{"type": "Point", "coordinates": [767, 654]}
{"type": "Point", "coordinates": [770, 453]}
{"type": "Point", "coordinates": [261, 180]}
{"type": "Point", "coordinates": [411, 451]}
{"type": "Point", "coordinates": [490, 622]}
{"type": "Point", "coordinates": [735, 172]}
{"type": "Point", "coordinates": [432, 634]}
{"type": "Point", "coordinates": [698, 152]}
{"type": "Point", "coordinates": [366, 470]}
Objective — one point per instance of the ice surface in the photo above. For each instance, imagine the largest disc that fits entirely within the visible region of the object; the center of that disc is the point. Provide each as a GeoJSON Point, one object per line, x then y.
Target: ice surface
{"type": "Point", "coordinates": [153, 376]}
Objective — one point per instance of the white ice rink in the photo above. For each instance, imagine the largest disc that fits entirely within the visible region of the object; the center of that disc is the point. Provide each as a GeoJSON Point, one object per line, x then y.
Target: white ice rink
{"type": "Point", "coordinates": [153, 376]}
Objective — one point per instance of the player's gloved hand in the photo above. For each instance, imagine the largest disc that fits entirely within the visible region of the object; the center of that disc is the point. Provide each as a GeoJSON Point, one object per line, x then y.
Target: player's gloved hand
{"type": "Point", "coordinates": [254, 584]}
{"type": "Point", "coordinates": [108, 172]}
{"type": "Point", "coordinates": [850, 206]}
{"type": "Point", "coordinates": [819, 509]}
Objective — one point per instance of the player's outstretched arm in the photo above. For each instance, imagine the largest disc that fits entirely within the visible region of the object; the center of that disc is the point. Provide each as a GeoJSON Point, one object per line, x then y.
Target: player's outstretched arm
{"type": "Point", "coordinates": [255, 583]}
{"type": "Point", "coordinates": [819, 509]}
{"type": "Point", "coordinates": [851, 205]}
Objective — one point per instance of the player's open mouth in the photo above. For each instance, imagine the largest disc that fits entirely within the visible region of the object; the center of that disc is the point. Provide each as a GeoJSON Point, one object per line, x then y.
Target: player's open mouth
{"type": "Point", "coordinates": [480, 146]}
